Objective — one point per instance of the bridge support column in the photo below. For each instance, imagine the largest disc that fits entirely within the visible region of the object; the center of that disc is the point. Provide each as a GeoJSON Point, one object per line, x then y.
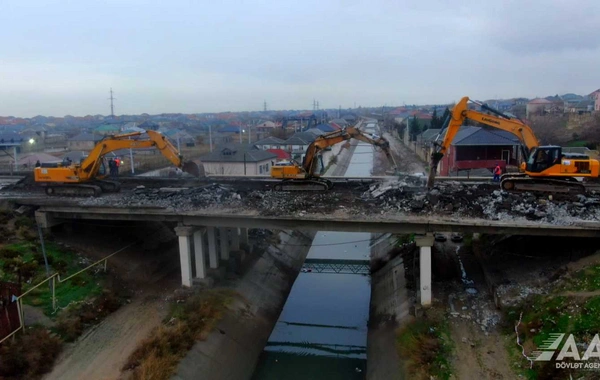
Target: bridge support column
{"type": "Point", "coordinates": [244, 236]}
{"type": "Point", "coordinates": [425, 243]}
{"type": "Point", "coordinates": [199, 254]}
{"type": "Point", "coordinates": [235, 239]}
{"type": "Point", "coordinates": [213, 259]}
{"type": "Point", "coordinates": [224, 243]}
{"type": "Point", "coordinates": [185, 253]}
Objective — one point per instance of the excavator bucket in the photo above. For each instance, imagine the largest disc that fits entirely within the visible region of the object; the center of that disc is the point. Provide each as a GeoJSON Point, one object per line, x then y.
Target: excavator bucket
{"type": "Point", "coordinates": [193, 168]}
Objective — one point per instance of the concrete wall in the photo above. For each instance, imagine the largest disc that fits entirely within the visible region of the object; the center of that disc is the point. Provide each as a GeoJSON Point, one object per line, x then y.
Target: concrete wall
{"type": "Point", "coordinates": [390, 305]}
{"type": "Point", "coordinates": [237, 168]}
{"type": "Point", "coordinates": [233, 349]}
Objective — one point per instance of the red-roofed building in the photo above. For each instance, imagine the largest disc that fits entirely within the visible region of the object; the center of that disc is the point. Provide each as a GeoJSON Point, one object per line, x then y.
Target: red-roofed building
{"type": "Point", "coordinates": [281, 154]}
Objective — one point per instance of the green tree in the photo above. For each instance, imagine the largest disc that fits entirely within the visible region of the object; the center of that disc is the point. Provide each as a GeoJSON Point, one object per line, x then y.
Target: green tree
{"type": "Point", "coordinates": [444, 117]}
{"type": "Point", "coordinates": [414, 128]}
{"type": "Point", "coordinates": [435, 121]}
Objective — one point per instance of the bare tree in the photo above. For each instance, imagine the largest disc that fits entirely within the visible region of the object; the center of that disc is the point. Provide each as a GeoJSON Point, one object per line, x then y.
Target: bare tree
{"type": "Point", "coordinates": [551, 129]}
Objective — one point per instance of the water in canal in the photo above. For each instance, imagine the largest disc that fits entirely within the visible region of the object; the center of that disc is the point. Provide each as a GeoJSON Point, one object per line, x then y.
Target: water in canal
{"type": "Point", "coordinates": [322, 330]}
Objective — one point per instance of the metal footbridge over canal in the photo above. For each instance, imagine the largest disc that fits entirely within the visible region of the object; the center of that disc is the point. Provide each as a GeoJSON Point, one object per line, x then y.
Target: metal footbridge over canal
{"type": "Point", "coordinates": [336, 266]}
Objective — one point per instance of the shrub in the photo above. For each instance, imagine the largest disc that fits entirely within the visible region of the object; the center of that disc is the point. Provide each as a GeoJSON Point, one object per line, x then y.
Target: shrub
{"type": "Point", "coordinates": [30, 355]}
{"type": "Point", "coordinates": [9, 253]}
{"type": "Point", "coordinates": [23, 221]}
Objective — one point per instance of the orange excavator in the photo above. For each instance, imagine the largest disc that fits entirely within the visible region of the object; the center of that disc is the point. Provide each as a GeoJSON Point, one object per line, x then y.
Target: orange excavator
{"type": "Point", "coordinates": [304, 177]}
{"type": "Point", "coordinates": [88, 178]}
{"type": "Point", "coordinates": [546, 169]}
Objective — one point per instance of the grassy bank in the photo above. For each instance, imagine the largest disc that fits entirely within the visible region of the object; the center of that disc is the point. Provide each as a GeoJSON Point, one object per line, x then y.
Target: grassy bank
{"type": "Point", "coordinates": [570, 307]}
{"type": "Point", "coordinates": [426, 348]}
{"type": "Point", "coordinates": [81, 301]}
{"type": "Point", "coordinates": [188, 321]}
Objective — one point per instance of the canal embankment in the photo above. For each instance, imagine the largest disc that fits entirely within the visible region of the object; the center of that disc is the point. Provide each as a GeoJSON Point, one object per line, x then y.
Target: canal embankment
{"type": "Point", "coordinates": [232, 350]}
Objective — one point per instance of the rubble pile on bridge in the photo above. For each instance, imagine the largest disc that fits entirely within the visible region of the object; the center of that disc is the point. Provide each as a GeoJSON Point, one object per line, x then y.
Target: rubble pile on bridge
{"type": "Point", "coordinates": [182, 199]}
{"type": "Point", "coordinates": [300, 203]}
{"type": "Point", "coordinates": [484, 201]}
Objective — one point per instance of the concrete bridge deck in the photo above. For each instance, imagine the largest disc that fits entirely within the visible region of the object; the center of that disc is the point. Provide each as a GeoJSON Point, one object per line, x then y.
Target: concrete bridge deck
{"type": "Point", "coordinates": [50, 214]}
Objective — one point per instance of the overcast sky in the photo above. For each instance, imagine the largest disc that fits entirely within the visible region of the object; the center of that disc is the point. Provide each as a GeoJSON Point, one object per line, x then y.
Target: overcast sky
{"type": "Point", "coordinates": [62, 57]}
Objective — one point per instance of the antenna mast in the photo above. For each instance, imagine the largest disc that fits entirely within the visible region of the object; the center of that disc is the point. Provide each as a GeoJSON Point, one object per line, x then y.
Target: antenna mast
{"type": "Point", "coordinates": [112, 108]}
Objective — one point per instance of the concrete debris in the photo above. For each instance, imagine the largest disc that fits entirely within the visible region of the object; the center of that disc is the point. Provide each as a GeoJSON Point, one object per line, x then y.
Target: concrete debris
{"type": "Point", "coordinates": [401, 197]}
{"type": "Point", "coordinates": [488, 202]}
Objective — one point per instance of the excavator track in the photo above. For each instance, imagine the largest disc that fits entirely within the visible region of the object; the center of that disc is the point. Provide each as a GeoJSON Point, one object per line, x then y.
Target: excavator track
{"type": "Point", "coordinates": [78, 190]}
{"type": "Point", "coordinates": [523, 183]}
{"type": "Point", "coordinates": [108, 186]}
{"type": "Point", "coordinates": [314, 184]}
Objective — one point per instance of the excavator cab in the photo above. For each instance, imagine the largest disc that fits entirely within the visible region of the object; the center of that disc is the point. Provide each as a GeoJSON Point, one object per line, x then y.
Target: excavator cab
{"type": "Point", "coordinates": [543, 157]}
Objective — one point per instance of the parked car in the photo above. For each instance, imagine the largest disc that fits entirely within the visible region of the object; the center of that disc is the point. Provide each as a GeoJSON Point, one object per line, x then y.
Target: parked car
{"type": "Point", "coordinates": [439, 237]}
{"type": "Point", "coordinates": [456, 237]}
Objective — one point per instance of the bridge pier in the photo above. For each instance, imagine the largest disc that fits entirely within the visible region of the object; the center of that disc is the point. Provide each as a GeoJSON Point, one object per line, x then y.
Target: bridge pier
{"type": "Point", "coordinates": [199, 257]}
{"type": "Point", "coordinates": [191, 241]}
{"type": "Point", "coordinates": [244, 236]}
{"type": "Point", "coordinates": [425, 242]}
{"type": "Point", "coordinates": [224, 237]}
{"type": "Point", "coordinates": [235, 239]}
{"type": "Point", "coordinates": [213, 259]}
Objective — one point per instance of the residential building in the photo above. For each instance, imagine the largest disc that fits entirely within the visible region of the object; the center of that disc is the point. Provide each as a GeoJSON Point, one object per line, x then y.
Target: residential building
{"type": "Point", "coordinates": [595, 96]}
{"type": "Point", "coordinates": [83, 141]}
{"type": "Point", "coordinates": [270, 142]}
{"type": "Point", "coordinates": [480, 148]}
{"type": "Point", "coordinates": [238, 159]}
{"type": "Point", "coordinates": [265, 126]}
{"type": "Point", "coordinates": [538, 106]}
{"type": "Point", "coordinates": [423, 146]}
{"type": "Point", "coordinates": [282, 155]}
{"type": "Point", "coordinates": [297, 144]}
{"type": "Point", "coordinates": [108, 129]}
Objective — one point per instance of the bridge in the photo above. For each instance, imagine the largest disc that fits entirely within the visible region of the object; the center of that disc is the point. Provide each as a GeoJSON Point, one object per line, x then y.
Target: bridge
{"type": "Point", "coordinates": [336, 266]}
{"type": "Point", "coordinates": [202, 231]}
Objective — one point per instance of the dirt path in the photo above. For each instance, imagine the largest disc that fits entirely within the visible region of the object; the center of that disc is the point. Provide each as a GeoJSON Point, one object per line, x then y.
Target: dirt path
{"type": "Point", "coordinates": [480, 349]}
{"type": "Point", "coordinates": [477, 355]}
{"type": "Point", "coordinates": [102, 351]}
{"type": "Point", "coordinates": [407, 161]}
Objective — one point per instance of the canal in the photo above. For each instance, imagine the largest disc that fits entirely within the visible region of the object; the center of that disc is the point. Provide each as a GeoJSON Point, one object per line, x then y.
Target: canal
{"type": "Point", "coordinates": [322, 330]}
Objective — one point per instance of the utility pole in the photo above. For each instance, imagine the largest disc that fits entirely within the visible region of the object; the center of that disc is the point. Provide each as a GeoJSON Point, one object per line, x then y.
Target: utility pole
{"type": "Point", "coordinates": [112, 108]}
{"type": "Point", "coordinates": [210, 136]}
{"type": "Point", "coordinates": [131, 158]}
{"type": "Point", "coordinates": [240, 133]}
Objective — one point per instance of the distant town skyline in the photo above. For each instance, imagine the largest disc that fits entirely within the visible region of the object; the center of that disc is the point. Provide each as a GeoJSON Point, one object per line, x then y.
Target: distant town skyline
{"type": "Point", "coordinates": [179, 57]}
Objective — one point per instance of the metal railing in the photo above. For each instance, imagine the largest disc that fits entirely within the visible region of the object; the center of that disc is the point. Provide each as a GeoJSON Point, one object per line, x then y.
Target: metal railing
{"type": "Point", "coordinates": [52, 280]}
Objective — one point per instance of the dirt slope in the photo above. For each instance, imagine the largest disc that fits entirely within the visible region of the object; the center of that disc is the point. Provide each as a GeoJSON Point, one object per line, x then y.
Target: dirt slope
{"type": "Point", "coordinates": [101, 353]}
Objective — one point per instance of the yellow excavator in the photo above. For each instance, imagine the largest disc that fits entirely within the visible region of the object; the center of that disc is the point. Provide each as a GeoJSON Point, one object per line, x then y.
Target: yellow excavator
{"type": "Point", "coordinates": [304, 177]}
{"type": "Point", "coordinates": [88, 178]}
{"type": "Point", "coordinates": [546, 169]}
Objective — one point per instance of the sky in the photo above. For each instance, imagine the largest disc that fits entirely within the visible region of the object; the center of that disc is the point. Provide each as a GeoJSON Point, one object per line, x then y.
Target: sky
{"type": "Point", "coordinates": [60, 57]}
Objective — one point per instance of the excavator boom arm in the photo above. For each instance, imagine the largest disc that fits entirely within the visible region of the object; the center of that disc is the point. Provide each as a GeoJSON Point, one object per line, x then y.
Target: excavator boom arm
{"type": "Point", "coordinates": [336, 137]}
{"type": "Point", "coordinates": [461, 112]}
{"type": "Point", "coordinates": [90, 166]}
